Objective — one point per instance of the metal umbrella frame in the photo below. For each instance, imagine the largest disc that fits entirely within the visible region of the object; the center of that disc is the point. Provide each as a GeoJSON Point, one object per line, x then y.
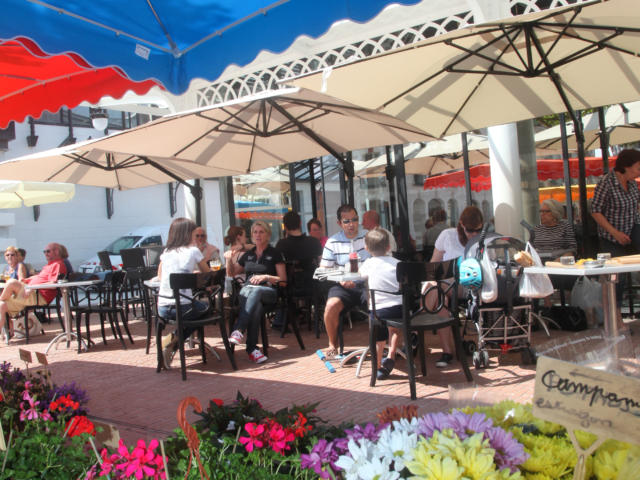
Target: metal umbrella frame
{"type": "Point", "coordinates": [500, 72]}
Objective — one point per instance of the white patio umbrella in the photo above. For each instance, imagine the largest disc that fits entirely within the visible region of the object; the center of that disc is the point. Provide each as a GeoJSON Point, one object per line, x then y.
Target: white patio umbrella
{"type": "Point", "coordinates": [15, 194]}
{"type": "Point", "coordinates": [499, 72]}
{"type": "Point", "coordinates": [622, 124]}
{"type": "Point", "coordinates": [519, 68]}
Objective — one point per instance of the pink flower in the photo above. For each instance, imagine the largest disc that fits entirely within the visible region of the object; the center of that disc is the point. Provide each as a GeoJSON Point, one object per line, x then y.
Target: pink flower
{"type": "Point", "coordinates": [30, 413]}
{"type": "Point", "coordinates": [279, 438]}
{"type": "Point", "coordinates": [255, 437]}
{"type": "Point", "coordinates": [142, 461]}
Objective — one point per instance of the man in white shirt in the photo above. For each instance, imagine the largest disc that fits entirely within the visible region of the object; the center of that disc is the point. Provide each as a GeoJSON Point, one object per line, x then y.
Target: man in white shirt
{"type": "Point", "coordinates": [336, 252]}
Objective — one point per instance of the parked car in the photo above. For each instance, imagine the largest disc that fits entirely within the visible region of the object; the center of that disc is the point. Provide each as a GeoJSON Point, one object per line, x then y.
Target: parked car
{"type": "Point", "coordinates": [144, 237]}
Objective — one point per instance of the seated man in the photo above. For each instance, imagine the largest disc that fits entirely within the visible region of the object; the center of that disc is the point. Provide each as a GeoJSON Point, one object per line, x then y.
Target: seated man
{"type": "Point", "coordinates": [210, 252]}
{"type": "Point", "coordinates": [305, 249]}
{"type": "Point", "coordinates": [336, 252]}
{"type": "Point", "coordinates": [17, 295]}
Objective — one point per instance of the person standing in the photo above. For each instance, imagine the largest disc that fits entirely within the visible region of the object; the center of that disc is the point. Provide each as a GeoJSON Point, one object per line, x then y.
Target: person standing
{"type": "Point", "coordinates": [615, 205]}
{"type": "Point", "coordinates": [336, 252]}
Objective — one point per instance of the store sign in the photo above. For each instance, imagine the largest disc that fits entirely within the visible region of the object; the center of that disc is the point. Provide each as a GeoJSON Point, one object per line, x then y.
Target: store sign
{"type": "Point", "coordinates": [582, 398]}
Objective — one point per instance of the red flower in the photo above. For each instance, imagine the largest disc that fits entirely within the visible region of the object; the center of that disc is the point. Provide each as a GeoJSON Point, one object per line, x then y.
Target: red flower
{"type": "Point", "coordinates": [1, 397]}
{"type": "Point", "coordinates": [64, 403]}
{"type": "Point", "coordinates": [217, 401]}
{"type": "Point", "coordinates": [78, 425]}
{"type": "Point", "coordinates": [279, 437]}
{"type": "Point", "coordinates": [300, 427]}
{"type": "Point", "coordinates": [254, 440]}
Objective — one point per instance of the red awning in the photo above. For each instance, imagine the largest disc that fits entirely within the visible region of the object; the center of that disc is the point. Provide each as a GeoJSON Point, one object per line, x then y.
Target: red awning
{"type": "Point", "coordinates": [33, 81]}
{"type": "Point", "coordinates": [547, 170]}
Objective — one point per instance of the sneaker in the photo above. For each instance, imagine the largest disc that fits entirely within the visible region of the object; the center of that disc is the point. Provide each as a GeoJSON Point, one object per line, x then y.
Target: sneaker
{"type": "Point", "coordinates": [236, 337]}
{"type": "Point", "coordinates": [257, 356]}
{"type": "Point", "coordinates": [385, 369]}
{"type": "Point", "coordinates": [444, 360]}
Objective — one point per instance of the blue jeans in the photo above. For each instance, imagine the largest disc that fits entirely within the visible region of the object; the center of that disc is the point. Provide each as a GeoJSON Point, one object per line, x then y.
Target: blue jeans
{"type": "Point", "coordinates": [253, 299]}
{"type": "Point", "coordinates": [190, 311]}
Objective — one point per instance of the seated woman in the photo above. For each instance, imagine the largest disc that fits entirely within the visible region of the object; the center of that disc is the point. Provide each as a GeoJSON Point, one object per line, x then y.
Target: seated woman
{"type": "Point", "coordinates": [451, 244]}
{"type": "Point", "coordinates": [15, 268]}
{"type": "Point", "coordinates": [180, 256]}
{"type": "Point", "coordinates": [236, 240]}
{"type": "Point", "coordinates": [554, 237]}
{"type": "Point", "coordinates": [264, 267]}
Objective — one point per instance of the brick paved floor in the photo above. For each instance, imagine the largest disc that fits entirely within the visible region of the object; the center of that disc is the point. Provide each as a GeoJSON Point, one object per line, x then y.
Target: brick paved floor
{"type": "Point", "coordinates": [125, 389]}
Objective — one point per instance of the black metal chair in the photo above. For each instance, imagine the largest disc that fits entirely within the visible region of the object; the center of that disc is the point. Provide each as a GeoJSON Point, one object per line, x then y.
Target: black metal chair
{"type": "Point", "coordinates": [419, 317]}
{"type": "Point", "coordinates": [104, 300]}
{"type": "Point", "coordinates": [206, 287]}
{"type": "Point", "coordinates": [105, 261]}
{"type": "Point", "coordinates": [133, 263]}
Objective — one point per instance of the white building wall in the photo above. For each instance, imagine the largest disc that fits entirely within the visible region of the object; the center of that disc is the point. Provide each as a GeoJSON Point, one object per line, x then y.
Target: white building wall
{"type": "Point", "coordinates": [82, 224]}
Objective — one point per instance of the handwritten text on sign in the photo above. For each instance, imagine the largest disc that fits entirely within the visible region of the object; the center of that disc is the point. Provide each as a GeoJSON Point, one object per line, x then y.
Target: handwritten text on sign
{"type": "Point", "coordinates": [582, 398]}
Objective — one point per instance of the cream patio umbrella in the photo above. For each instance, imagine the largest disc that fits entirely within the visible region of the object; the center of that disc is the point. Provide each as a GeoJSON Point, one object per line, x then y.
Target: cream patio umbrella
{"type": "Point", "coordinates": [243, 136]}
{"type": "Point", "coordinates": [15, 194]}
{"type": "Point", "coordinates": [559, 60]}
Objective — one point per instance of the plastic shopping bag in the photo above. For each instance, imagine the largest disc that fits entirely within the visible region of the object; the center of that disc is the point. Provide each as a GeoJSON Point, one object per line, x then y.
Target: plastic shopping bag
{"type": "Point", "coordinates": [489, 292]}
{"type": "Point", "coordinates": [535, 285]}
{"type": "Point", "coordinates": [587, 294]}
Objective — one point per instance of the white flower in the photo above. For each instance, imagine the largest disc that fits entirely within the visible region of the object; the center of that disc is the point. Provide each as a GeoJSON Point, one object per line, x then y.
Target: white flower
{"type": "Point", "coordinates": [405, 425]}
{"type": "Point", "coordinates": [396, 445]}
{"type": "Point", "coordinates": [377, 469]}
{"type": "Point", "coordinates": [359, 454]}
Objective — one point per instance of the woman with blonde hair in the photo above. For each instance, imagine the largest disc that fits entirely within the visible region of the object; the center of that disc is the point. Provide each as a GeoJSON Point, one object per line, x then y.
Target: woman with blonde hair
{"type": "Point", "coordinates": [265, 268]}
{"type": "Point", "coordinates": [15, 268]}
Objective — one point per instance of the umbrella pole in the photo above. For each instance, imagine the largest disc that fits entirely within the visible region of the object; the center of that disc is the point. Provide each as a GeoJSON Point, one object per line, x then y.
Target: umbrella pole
{"type": "Point", "coordinates": [467, 172]}
{"type": "Point", "coordinates": [566, 170]}
{"type": "Point", "coordinates": [348, 169]}
{"type": "Point", "coordinates": [582, 185]}
{"type": "Point", "coordinates": [403, 207]}
{"type": "Point", "coordinates": [392, 189]}
{"type": "Point", "coordinates": [604, 140]}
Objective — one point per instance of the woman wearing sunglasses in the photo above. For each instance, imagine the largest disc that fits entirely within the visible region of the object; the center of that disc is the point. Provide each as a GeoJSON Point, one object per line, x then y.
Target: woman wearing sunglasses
{"type": "Point", "coordinates": [450, 244]}
{"type": "Point", "coordinates": [15, 268]}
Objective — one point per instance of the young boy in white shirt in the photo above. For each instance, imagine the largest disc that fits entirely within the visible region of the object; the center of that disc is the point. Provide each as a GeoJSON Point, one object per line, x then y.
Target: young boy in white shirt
{"type": "Point", "coordinates": [380, 271]}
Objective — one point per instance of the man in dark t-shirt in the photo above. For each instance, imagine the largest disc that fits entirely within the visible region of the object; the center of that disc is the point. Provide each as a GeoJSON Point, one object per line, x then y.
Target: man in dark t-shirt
{"type": "Point", "coordinates": [298, 246]}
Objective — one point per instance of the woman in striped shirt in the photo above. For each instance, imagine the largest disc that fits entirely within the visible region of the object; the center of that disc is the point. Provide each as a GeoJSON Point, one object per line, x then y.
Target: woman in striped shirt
{"type": "Point", "coordinates": [554, 236]}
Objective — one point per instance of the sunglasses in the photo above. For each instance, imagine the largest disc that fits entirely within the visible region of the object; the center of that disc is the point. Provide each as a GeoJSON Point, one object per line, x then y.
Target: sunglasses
{"type": "Point", "coordinates": [200, 235]}
{"type": "Point", "coordinates": [347, 221]}
{"type": "Point", "coordinates": [472, 230]}
{"type": "Point", "coordinates": [46, 251]}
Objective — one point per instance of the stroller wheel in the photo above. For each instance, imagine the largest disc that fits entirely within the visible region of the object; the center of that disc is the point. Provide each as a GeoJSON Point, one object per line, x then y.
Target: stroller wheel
{"type": "Point", "coordinates": [485, 358]}
{"type": "Point", "coordinates": [469, 346]}
{"type": "Point", "coordinates": [477, 360]}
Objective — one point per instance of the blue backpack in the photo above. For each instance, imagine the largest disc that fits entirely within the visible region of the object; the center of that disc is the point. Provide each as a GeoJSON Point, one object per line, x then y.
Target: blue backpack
{"type": "Point", "coordinates": [470, 273]}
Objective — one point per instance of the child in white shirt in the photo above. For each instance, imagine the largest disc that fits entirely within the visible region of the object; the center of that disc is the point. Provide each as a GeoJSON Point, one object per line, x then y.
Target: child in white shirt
{"type": "Point", "coordinates": [380, 270]}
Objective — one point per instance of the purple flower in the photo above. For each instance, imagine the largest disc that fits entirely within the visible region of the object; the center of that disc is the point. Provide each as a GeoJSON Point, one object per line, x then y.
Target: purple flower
{"type": "Point", "coordinates": [321, 454]}
{"type": "Point", "coordinates": [469, 424]}
{"type": "Point", "coordinates": [433, 421]}
{"type": "Point", "coordinates": [509, 452]}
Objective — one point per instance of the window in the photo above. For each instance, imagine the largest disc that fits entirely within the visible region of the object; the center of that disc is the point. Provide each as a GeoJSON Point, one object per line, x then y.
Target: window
{"type": "Point", "coordinates": [151, 241]}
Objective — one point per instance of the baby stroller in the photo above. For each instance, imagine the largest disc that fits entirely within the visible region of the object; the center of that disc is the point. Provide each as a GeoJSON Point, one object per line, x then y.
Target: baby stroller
{"type": "Point", "coordinates": [502, 318]}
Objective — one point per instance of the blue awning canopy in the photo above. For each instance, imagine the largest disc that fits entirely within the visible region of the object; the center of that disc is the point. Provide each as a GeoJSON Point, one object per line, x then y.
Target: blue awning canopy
{"type": "Point", "coordinates": [175, 41]}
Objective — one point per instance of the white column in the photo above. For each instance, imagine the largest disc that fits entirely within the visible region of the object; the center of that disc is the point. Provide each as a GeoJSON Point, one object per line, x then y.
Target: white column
{"type": "Point", "coordinates": [505, 179]}
{"type": "Point", "coordinates": [190, 203]}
